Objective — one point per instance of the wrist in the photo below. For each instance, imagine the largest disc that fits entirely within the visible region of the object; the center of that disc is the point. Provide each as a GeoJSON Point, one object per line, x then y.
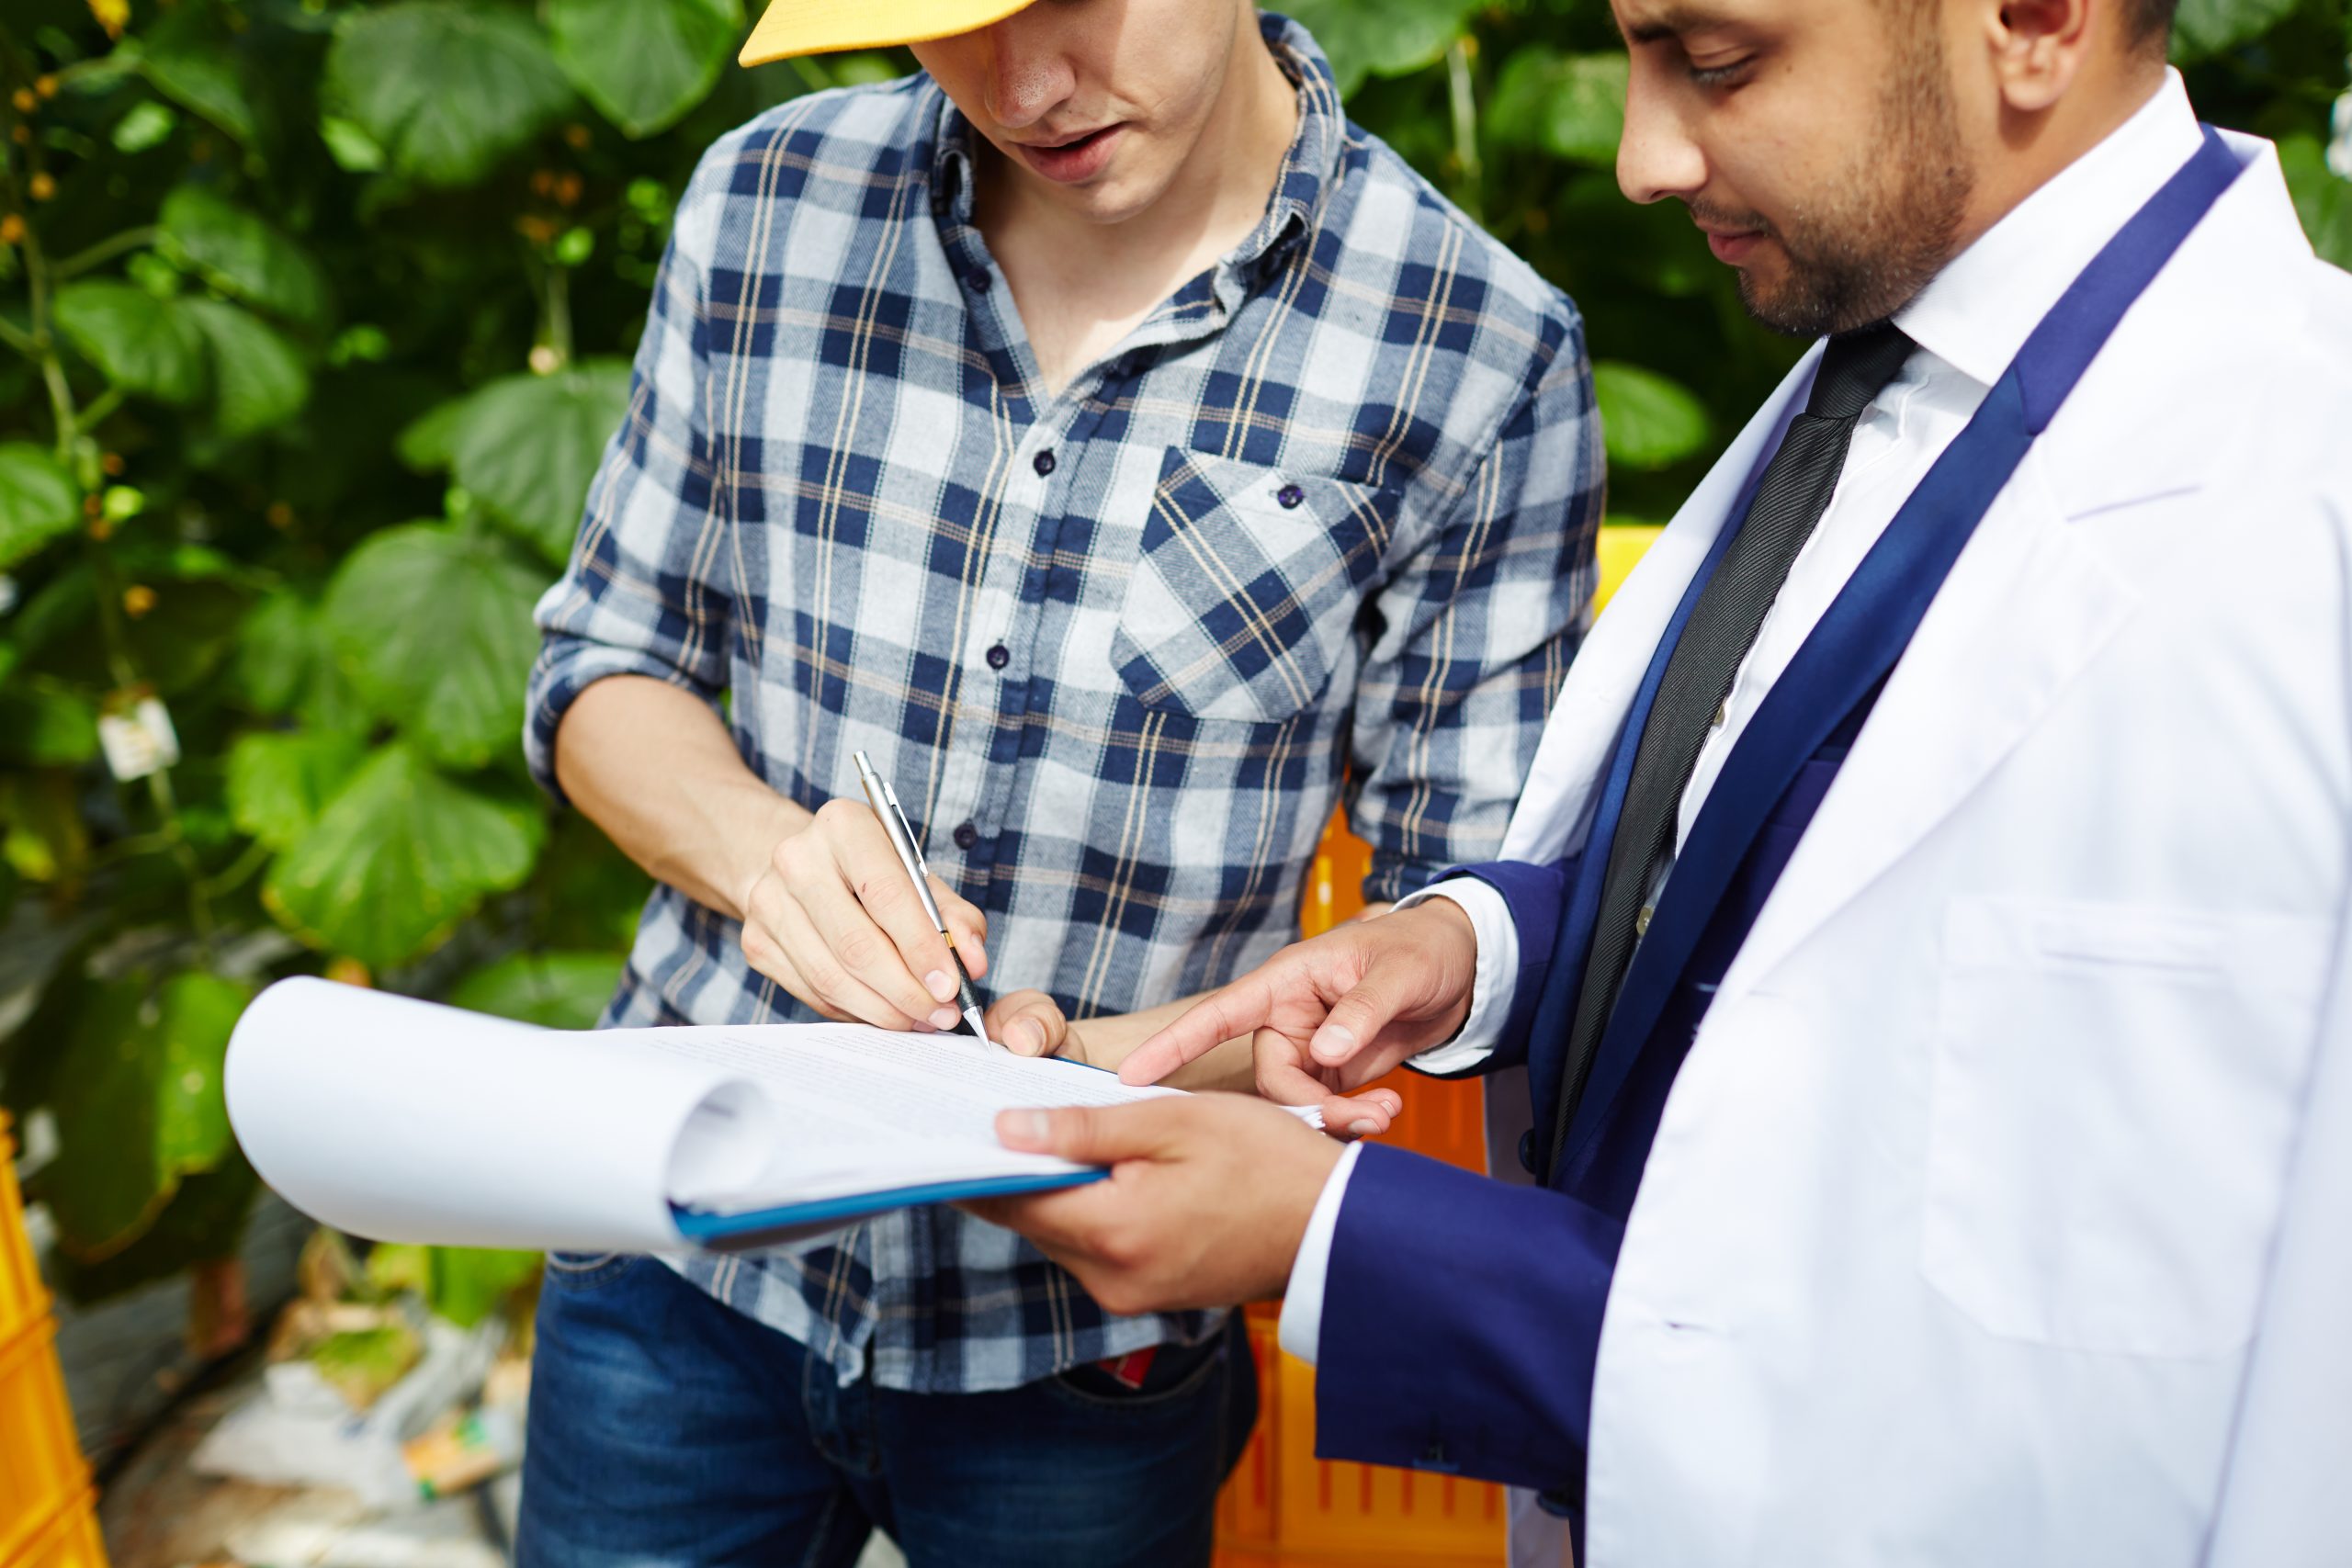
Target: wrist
{"type": "Point", "coordinates": [783, 819]}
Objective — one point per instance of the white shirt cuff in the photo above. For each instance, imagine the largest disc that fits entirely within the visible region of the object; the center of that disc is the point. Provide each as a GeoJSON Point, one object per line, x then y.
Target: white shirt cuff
{"type": "Point", "coordinates": [1301, 1331]}
{"type": "Point", "coordinates": [1493, 983]}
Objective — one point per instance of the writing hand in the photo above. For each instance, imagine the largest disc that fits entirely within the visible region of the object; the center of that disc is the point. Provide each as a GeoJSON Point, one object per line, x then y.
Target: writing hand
{"type": "Point", "coordinates": [833, 918]}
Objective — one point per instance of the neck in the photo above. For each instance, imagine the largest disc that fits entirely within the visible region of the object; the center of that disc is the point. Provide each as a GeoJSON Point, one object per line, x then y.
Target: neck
{"type": "Point", "coordinates": [2030, 148]}
{"type": "Point", "coordinates": [1218, 196]}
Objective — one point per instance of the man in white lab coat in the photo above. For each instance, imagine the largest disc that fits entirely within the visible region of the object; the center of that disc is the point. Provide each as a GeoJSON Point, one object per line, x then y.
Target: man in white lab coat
{"type": "Point", "coordinates": [1925, 927]}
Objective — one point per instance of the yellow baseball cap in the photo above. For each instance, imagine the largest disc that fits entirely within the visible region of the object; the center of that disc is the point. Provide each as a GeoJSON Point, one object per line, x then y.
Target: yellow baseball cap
{"type": "Point", "coordinates": [790, 28]}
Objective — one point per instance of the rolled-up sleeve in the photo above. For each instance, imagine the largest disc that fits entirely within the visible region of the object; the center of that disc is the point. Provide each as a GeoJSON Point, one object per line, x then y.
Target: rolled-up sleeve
{"type": "Point", "coordinates": [1477, 630]}
{"type": "Point", "coordinates": [644, 592]}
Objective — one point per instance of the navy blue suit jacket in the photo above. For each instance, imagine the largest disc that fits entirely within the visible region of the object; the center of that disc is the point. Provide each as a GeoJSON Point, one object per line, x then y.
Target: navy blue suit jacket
{"type": "Point", "coordinates": [1461, 1315]}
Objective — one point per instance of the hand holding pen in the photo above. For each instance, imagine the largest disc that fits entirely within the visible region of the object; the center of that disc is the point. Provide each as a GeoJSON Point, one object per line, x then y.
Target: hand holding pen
{"type": "Point", "coordinates": [834, 918]}
{"type": "Point", "coordinates": [885, 801]}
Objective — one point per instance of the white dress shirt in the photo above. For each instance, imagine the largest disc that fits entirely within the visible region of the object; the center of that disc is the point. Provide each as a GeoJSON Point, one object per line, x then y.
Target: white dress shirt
{"type": "Point", "coordinates": [1968, 322]}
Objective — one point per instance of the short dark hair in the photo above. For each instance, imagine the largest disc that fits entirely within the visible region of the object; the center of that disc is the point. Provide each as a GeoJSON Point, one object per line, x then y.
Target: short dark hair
{"type": "Point", "coordinates": [2151, 23]}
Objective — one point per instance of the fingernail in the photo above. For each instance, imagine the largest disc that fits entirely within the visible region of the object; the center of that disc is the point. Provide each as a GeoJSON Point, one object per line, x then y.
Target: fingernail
{"type": "Point", "coordinates": [1024, 1129]}
{"type": "Point", "coordinates": [945, 1018]}
{"type": "Point", "coordinates": [1332, 1042]}
{"type": "Point", "coordinates": [1027, 1038]}
{"type": "Point", "coordinates": [941, 985]}
{"type": "Point", "coordinates": [1362, 1129]}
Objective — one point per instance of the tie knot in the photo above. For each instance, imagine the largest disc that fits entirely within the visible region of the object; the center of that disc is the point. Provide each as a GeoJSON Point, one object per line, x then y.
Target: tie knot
{"type": "Point", "coordinates": [1856, 367]}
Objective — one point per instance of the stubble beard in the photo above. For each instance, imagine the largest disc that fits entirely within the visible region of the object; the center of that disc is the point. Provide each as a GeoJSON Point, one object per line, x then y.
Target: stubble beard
{"type": "Point", "coordinates": [1866, 250]}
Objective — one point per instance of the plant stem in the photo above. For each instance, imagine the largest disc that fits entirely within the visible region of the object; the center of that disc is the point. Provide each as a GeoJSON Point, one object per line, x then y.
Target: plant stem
{"type": "Point", "coordinates": [1462, 98]}
{"type": "Point", "coordinates": [559, 325]}
{"type": "Point", "coordinates": [73, 424]}
{"type": "Point", "coordinates": [104, 250]}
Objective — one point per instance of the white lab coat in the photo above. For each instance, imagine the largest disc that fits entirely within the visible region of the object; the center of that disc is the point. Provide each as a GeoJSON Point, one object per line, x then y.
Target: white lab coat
{"type": "Point", "coordinates": [2002, 1213]}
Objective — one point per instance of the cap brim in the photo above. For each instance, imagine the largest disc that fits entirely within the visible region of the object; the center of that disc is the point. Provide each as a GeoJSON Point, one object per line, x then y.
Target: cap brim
{"type": "Point", "coordinates": [790, 28]}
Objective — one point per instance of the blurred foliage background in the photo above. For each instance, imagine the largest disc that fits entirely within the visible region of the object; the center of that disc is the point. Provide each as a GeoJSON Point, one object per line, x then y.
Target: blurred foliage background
{"type": "Point", "coordinates": [313, 318]}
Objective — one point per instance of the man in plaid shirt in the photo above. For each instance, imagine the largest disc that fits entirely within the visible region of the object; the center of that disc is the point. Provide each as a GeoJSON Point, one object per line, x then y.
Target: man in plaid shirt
{"type": "Point", "coordinates": [1135, 457]}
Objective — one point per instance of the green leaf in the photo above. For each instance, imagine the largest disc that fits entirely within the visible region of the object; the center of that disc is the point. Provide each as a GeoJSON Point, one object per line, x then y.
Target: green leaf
{"type": "Point", "coordinates": [1381, 38]}
{"type": "Point", "coordinates": [278, 783]}
{"type": "Point", "coordinates": [242, 255]}
{"type": "Point", "coordinates": [258, 378]}
{"type": "Point", "coordinates": [644, 62]}
{"type": "Point", "coordinates": [528, 445]}
{"type": "Point", "coordinates": [446, 88]}
{"type": "Point", "coordinates": [472, 1282]}
{"type": "Point", "coordinates": [47, 728]}
{"type": "Point", "coordinates": [204, 1221]}
{"type": "Point", "coordinates": [149, 124]}
{"type": "Point", "coordinates": [144, 343]}
{"type": "Point", "coordinates": [425, 444]}
{"type": "Point", "coordinates": [560, 990]}
{"type": "Point", "coordinates": [286, 664]}
{"type": "Point", "coordinates": [37, 500]}
{"type": "Point", "coordinates": [201, 80]}
{"type": "Point", "coordinates": [349, 146]}
{"type": "Point", "coordinates": [399, 857]}
{"type": "Point", "coordinates": [588, 895]}
{"type": "Point", "coordinates": [1571, 106]}
{"type": "Point", "coordinates": [1648, 421]}
{"type": "Point", "coordinates": [139, 1106]}
{"type": "Point", "coordinates": [2202, 27]}
{"type": "Point", "coordinates": [433, 624]}
{"type": "Point", "coordinates": [2323, 198]}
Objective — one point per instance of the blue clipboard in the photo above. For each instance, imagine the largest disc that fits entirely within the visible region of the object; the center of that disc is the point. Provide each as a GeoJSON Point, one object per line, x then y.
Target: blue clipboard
{"type": "Point", "coordinates": [757, 1227]}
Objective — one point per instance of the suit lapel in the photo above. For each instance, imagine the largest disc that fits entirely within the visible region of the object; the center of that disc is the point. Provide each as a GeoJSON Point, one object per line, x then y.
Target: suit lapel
{"type": "Point", "coordinates": [1582, 735]}
{"type": "Point", "coordinates": [2026, 607]}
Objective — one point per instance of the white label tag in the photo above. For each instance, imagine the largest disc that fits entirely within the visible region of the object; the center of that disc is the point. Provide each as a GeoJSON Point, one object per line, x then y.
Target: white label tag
{"type": "Point", "coordinates": [139, 742]}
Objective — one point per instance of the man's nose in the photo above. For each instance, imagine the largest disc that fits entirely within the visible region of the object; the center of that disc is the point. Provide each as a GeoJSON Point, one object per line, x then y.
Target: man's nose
{"type": "Point", "coordinates": [1657, 156]}
{"type": "Point", "coordinates": [1029, 70]}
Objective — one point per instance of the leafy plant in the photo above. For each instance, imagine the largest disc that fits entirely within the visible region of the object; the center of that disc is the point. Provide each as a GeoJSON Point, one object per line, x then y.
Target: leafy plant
{"type": "Point", "coordinates": [314, 316]}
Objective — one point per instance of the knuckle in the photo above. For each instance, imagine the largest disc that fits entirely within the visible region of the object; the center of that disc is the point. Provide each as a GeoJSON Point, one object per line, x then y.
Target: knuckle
{"type": "Point", "coordinates": [858, 952]}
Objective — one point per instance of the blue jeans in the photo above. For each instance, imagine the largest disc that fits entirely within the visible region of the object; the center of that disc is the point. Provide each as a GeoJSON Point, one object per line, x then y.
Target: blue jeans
{"type": "Point", "coordinates": [669, 1431]}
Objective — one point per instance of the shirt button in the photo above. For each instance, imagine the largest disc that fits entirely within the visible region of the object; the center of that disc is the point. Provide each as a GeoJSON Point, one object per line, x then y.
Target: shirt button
{"type": "Point", "coordinates": [979, 282]}
{"type": "Point", "coordinates": [966, 835]}
{"type": "Point", "coordinates": [1290, 496]}
{"type": "Point", "coordinates": [1043, 462]}
{"type": "Point", "coordinates": [998, 657]}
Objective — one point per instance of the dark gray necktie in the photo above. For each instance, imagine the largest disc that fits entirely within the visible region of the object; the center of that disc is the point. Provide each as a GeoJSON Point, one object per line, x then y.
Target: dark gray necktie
{"type": "Point", "coordinates": [1790, 499]}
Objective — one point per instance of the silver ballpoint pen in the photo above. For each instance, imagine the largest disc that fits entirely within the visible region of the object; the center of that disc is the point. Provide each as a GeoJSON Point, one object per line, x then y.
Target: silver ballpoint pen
{"type": "Point", "coordinates": [885, 801]}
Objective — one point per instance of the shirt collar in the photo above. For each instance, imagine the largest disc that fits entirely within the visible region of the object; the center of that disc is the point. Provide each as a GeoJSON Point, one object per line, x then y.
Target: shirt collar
{"type": "Point", "coordinates": [1309, 169]}
{"type": "Point", "coordinates": [1977, 313]}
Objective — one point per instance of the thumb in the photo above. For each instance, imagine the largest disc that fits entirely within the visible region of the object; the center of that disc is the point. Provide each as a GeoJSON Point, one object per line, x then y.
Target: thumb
{"type": "Point", "coordinates": [1085, 1135]}
{"type": "Point", "coordinates": [1354, 1023]}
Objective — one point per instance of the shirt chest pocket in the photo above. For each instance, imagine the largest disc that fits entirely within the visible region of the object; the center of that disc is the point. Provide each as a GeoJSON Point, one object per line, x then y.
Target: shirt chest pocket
{"type": "Point", "coordinates": [1248, 588]}
{"type": "Point", "coordinates": [2116, 1092]}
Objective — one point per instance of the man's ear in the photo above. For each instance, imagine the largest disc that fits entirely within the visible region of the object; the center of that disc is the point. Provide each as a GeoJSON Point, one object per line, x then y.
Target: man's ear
{"type": "Point", "coordinates": [2038, 47]}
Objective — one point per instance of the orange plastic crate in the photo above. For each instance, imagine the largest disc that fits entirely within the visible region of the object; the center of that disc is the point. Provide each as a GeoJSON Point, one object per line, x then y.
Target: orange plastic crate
{"type": "Point", "coordinates": [22, 1300]}
{"type": "Point", "coordinates": [41, 1470]}
{"type": "Point", "coordinates": [1283, 1505]}
{"type": "Point", "coordinates": [70, 1541]}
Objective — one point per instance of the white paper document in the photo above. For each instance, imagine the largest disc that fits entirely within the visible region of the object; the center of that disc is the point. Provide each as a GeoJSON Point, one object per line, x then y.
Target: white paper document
{"type": "Point", "coordinates": [404, 1121]}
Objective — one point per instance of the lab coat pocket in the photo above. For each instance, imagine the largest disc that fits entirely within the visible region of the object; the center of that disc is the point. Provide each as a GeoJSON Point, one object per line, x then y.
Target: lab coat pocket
{"type": "Point", "coordinates": [2115, 1093]}
{"type": "Point", "coordinates": [1248, 588]}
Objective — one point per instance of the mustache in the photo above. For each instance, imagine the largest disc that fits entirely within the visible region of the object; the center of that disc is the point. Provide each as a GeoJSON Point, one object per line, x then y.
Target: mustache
{"type": "Point", "coordinates": [1713, 216]}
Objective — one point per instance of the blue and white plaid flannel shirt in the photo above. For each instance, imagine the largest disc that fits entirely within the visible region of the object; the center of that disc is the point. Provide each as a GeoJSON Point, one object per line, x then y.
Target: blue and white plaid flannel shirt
{"type": "Point", "coordinates": [1324, 522]}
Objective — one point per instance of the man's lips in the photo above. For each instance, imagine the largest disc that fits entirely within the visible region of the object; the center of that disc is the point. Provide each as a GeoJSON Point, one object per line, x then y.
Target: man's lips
{"type": "Point", "coordinates": [1732, 246]}
{"type": "Point", "coordinates": [1072, 159]}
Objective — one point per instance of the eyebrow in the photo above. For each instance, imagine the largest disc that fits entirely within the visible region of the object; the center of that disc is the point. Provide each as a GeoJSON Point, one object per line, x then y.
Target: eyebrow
{"type": "Point", "coordinates": [1670, 22]}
